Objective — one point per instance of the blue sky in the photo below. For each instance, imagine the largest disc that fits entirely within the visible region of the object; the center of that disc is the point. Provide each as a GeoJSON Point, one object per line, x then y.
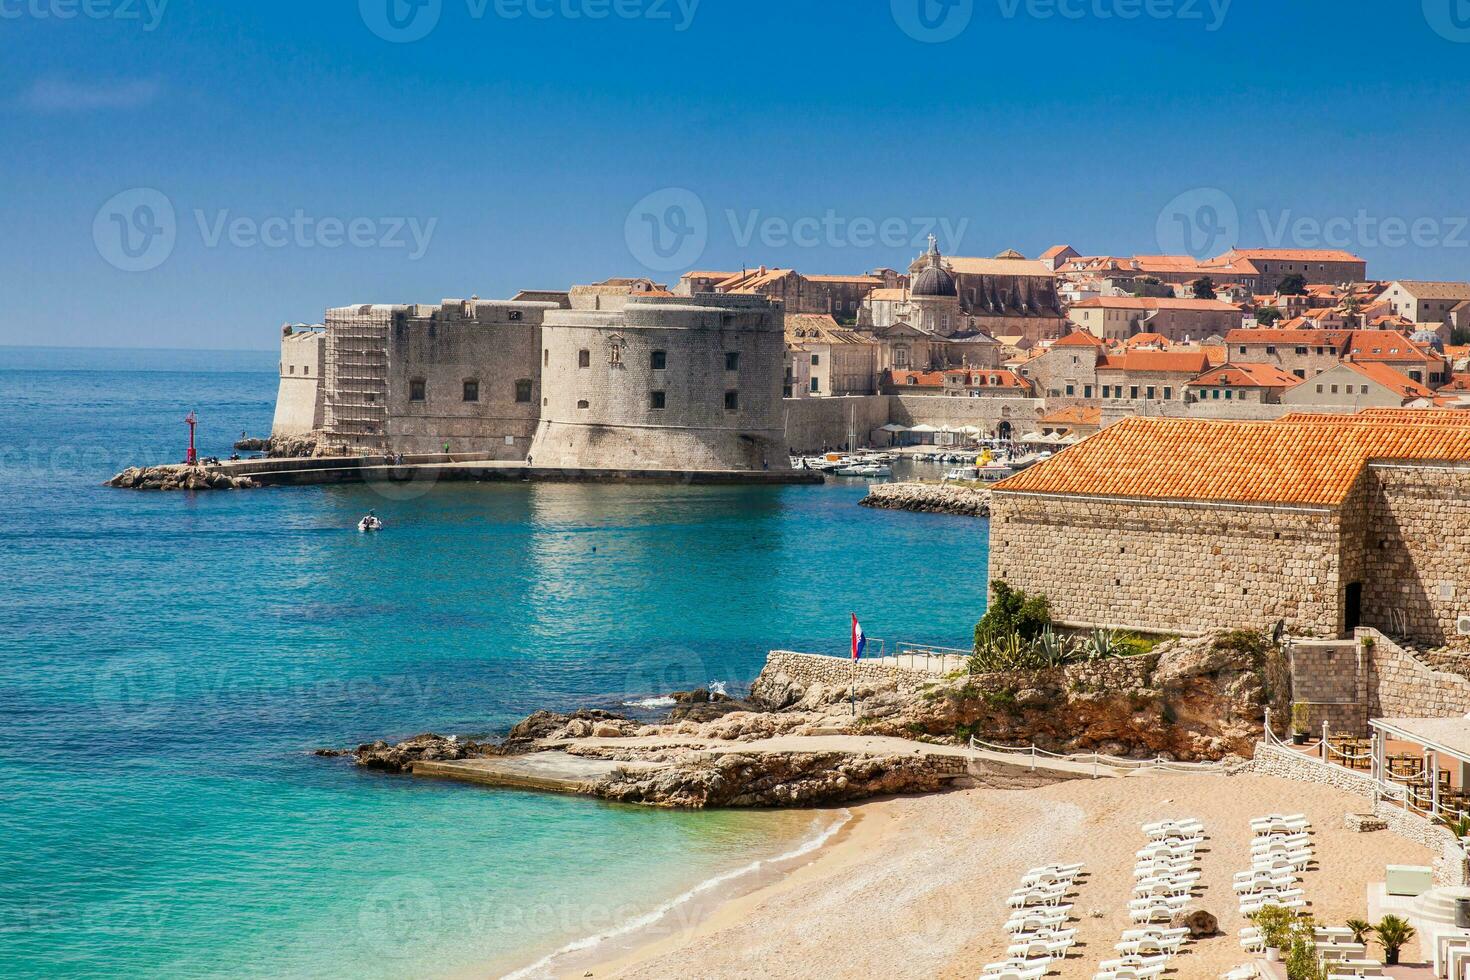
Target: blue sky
{"type": "Point", "coordinates": [192, 175]}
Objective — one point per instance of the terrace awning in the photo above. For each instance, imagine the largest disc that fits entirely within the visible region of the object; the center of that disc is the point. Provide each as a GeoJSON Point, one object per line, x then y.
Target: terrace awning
{"type": "Point", "coordinates": [1447, 736]}
{"type": "Point", "coordinates": [893, 427]}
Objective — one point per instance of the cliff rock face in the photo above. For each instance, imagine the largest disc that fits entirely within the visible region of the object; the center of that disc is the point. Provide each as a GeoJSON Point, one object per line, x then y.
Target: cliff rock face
{"type": "Point", "coordinates": [401, 757]}
{"type": "Point", "coordinates": [178, 477]}
{"type": "Point", "coordinates": [1191, 700]}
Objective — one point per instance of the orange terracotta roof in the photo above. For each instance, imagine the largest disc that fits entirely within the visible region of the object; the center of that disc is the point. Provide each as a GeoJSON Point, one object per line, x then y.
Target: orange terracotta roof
{"type": "Point", "coordinates": [1459, 382]}
{"type": "Point", "coordinates": [1079, 338]}
{"type": "Point", "coordinates": [1297, 254]}
{"type": "Point", "coordinates": [1237, 375]}
{"type": "Point", "coordinates": [1073, 415]}
{"type": "Point", "coordinates": [1305, 338]}
{"type": "Point", "coordinates": [1147, 339]}
{"type": "Point", "coordinates": [1381, 416]}
{"type": "Point", "coordinates": [1155, 303]}
{"type": "Point", "coordinates": [1191, 362]}
{"type": "Point", "coordinates": [1400, 384]}
{"type": "Point", "coordinates": [1312, 463]}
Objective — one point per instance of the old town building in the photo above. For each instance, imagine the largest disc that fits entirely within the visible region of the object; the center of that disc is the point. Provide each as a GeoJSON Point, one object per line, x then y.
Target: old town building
{"type": "Point", "coordinates": [1190, 525]}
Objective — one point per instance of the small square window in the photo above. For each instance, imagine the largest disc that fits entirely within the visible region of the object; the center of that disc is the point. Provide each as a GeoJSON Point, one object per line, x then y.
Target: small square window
{"type": "Point", "coordinates": [584, 403]}
{"type": "Point", "coordinates": [523, 390]}
{"type": "Point", "coordinates": [472, 391]}
{"type": "Point", "coordinates": [514, 315]}
{"type": "Point", "coordinates": [656, 399]}
{"type": "Point", "coordinates": [732, 360]}
{"type": "Point", "coordinates": [416, 390]}
{"type": "Point", "coordinates": [732, 401]}
{"type": "Point", "coordinates": [658, 360]}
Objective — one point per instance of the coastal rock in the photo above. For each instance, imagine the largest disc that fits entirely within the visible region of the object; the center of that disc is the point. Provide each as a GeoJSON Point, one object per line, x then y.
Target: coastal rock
{"type": "Point", "coordinates": [554, 726]}
{"type": "Point", "coordinates": [178, 477]}
{"type": "Point", "coordinates": [252, 444]}
{"type": "Point", "coordinates": [930, 498]}
{"type": "Point", "coordinates": [291, 447]}
{"type": "Point", "coordinates": [776, 779]}
{"type": "Point", "coordinates": [1198, 921]}
{"type": "Point", "coordinates": [401, 757]}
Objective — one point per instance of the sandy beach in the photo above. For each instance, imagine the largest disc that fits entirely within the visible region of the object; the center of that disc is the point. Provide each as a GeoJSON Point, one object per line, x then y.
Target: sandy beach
{"type": "Point", "coordinates": [916, 887]}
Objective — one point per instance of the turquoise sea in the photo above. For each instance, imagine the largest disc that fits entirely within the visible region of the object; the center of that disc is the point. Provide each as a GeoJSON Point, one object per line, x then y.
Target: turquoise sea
{"type": "Point", "coordinates": [168, 661]}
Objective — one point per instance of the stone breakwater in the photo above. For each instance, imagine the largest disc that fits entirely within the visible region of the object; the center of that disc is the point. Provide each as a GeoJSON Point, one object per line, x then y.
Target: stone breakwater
{"type": "Point", "coordinates": [178, 477]}
{"type": "Point", "coordinates": [930, 498]}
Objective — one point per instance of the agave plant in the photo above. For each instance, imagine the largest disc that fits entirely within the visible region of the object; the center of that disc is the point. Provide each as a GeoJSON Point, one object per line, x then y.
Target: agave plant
{"type": "Point", "coordinates": [1103, 644]}
{"type": "Point", "coordinates": [1458, 825]}
{"type": "Point", "coordinates": [1051, 650]}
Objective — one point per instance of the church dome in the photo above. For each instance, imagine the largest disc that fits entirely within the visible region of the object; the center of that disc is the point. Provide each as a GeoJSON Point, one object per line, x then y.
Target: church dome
{"type": "Point", "coordinates": [933, 281]}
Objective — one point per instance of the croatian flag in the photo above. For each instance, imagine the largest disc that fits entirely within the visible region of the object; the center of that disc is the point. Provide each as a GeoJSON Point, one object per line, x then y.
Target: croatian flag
{"type": "Point", "coordinates": [859, 638]}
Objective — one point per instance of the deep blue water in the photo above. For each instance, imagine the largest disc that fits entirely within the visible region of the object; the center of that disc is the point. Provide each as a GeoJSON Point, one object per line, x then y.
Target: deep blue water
{"type": "Point", "coordinates": [167, 662]}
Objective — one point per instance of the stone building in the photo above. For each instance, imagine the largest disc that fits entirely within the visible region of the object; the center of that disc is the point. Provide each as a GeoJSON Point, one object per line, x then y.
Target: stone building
{"type": "Point", "coordinates": [1188, 525]}
{"type": "Point", "coordinates": [411, 378]}
{"type": "Point", "coordinates": [837, 361]}
{"type": "Point", "coordinates": [301, 396]}
{"type": "Point", "coordinates": [1121, 317]}
{"type": "Point", "coordinates": [1007, 296]}
{"type": "Point", "coordinates": [665, 383]}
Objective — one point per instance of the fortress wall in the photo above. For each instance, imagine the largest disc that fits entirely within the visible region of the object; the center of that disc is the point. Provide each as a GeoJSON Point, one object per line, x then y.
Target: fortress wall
{"type": "Point", "coordinates": [300, 398]}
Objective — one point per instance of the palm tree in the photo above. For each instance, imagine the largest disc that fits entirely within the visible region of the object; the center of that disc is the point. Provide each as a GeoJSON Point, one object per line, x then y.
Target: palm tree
{"type": "Point", "coordinates": [1361, 930]}
{"type": "Point", "coordinates": [1393, 933]}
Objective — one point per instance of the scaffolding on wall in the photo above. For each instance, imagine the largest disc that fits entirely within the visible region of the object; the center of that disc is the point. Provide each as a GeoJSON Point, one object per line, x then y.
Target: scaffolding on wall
{"type": "Point", "coordinates": [356, 409]}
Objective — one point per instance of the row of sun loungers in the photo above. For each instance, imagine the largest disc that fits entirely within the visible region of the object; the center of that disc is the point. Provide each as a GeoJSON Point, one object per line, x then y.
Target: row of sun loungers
{"type": "Point", "coordinates": [1280, 851]}
{"type": "Point", "coordinates": [1165, 877]}
{"type": "Point", "coordinates": [1038, 924]}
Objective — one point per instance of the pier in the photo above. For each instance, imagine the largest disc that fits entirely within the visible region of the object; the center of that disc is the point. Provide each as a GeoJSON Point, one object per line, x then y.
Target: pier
{"type": "Point", "coordinates": [455, 467]}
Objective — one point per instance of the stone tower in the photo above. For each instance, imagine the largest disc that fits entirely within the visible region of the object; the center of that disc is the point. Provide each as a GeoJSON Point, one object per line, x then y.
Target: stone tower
{"type": "Point", "coordinates": [668, 382]}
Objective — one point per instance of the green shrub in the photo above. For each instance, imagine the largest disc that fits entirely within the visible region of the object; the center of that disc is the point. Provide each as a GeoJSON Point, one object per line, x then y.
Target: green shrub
{"type": "Point", "coordinates": [1012, 611]}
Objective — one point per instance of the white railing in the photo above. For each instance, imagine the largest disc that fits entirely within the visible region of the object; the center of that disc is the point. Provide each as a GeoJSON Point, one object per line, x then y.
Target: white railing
{"type": "Point", "coordinates": [1097, 761]}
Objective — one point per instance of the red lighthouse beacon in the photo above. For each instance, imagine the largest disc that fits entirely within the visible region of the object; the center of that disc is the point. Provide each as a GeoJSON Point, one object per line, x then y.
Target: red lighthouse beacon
{"type": "Point", "coordinates": [193, 457]}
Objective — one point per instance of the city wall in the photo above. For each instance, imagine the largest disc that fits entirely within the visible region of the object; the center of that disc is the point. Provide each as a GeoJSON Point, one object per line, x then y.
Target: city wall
{"type": "Point", "coordinates": [1168, 566]}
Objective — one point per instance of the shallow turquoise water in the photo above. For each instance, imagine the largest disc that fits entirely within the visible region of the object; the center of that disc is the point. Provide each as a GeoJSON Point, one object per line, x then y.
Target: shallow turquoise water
{"type": "Point", "coordinates": [167, 662]}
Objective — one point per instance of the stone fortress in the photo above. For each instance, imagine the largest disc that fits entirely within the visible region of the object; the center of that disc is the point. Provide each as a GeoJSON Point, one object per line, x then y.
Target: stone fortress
{"type": "Point", "coordinates": [636, 378]}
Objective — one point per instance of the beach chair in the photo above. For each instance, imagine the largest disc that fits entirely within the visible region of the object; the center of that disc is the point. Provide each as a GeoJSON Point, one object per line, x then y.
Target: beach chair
{"type": "Point", "coordinates": [1152, 913]}
{"type": "Point", "coordinates": [1187, 824]}
{"type": "Point", "coordinates": [1252, 940]}
{"type": "Point", "coordinates": [1247, 972]}
{"type": "Point", "coordinates": [1163, 932]}
{"type": "Point", "coordinates": [1150, 945]}
{"type": "Point", "coordinates": [1176, 901]}
{"type": "Point", "coordinates": [1026, 921]}
{"type": "Point", "coordinates": [1256, 885]}
{"type": "Point", "coordinates": [1130, 973]}
{"type": "Point", "coordinates": [1250, 908]}
{"type": "Point", "coordinates": [1163, 889]}
{"type": "Point", "coordinates": [1181, 877]}
{"type": "Point", "coordinates": [1050, 948]}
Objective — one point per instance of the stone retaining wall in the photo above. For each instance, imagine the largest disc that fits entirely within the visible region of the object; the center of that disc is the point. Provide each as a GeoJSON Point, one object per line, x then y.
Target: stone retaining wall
{"type": "Point", "coordinates": [812, 668]}
{"type": "Point", "coordinates": [1273, 760]}
{"type": "Point", "coordinates": [1126, 673]}
{"type": "Point", "coordinates": [1402, 686]}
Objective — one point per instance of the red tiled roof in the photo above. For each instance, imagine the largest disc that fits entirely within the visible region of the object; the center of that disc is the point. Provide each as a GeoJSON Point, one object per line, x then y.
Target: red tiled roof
{"type": "Point", "coordinates": [1191, 362]}
{"type": "Point", "coordinates": [1287, 338]}
{"type": "Point", "coordinates": [1073, 415]}
{"type": "Point", "coordinates": [1079, 338]}
{"type": "Point", "coordinates": [1237, 375]}
{"type": "Point", "coordinates": [1314, 463]}
{"type": "Point", "coordinates": [1155, 303]}
{"type": "Point", "coordinates": [1400, 384]}
{"type": "Point", "coordinates": [1296, 254]}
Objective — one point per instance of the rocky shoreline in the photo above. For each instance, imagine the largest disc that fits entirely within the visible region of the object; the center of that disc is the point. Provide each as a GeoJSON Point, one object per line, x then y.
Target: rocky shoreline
{"type": "Point", "coordinates": [930, 498]}
{"type": "Point", "coordinates": [797, 741]}
{"type": "Point", "coordinates": [178, 477]}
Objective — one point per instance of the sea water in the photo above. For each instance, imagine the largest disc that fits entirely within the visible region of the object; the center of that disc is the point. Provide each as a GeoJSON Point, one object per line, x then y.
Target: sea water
{"type": "Point", "coordinates": [169, 661]}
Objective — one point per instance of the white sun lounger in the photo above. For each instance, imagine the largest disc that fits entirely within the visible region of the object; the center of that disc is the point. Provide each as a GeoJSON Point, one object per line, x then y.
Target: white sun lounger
{"type": "Point", "coordinates": [1164, 932]}
{"type": "Point", "coordinates": [1251, 907]}
{"type": "Point", "coordinates": [1150, 945]}
{"type": "Point", "coordinates": [1052, 948]}
{"type": "Point", "coordinates": [1130, 973]}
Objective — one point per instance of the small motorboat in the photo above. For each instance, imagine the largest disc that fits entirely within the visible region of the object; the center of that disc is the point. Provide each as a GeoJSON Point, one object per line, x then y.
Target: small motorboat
{"type": "Point", "coordinates": [964, 474]}
{"type": "Point", "coordinates": [867, 470]}
{"type": "Point", "coordinates": [370, 523]}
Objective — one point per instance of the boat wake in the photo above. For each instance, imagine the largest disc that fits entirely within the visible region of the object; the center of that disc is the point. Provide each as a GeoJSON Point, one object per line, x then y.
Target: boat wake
{"type": "Point", "coordinates": [541, 968]}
